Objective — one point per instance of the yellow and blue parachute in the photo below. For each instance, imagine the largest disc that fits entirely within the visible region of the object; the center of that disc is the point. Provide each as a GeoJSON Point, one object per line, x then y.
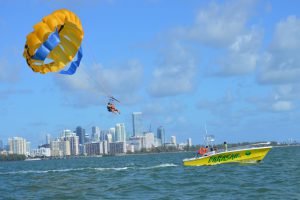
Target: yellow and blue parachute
{"type": "Point", "coordinates": [55, 43]}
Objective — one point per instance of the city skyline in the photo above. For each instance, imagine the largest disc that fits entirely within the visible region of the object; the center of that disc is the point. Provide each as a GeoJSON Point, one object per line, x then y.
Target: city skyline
{"type": "Point", "coordinates": [232, 65]}
{"type": "Point", "coordinates": [114, 142]}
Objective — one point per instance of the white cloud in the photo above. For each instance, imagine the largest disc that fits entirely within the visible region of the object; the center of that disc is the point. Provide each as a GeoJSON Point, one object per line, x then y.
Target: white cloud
{"type": "Point", "coordinates": [282, 62]}
{"type": "Point", "coordinates": [280, 100]}
{"type": "Point", "coordinates": [175, 74]}
{"type": "Point", "coordinates": [287, 92]}
{"type": "Point", "coordinates": [226, 26]}
{"type": "Point", "coordinates": [242, 56]}
{"type": "Point", "coordinates": [282, 106]}
{"type": "Point", "coordinates": [219, 25]}
{"type": "Point", "coordinates": [88, 85]}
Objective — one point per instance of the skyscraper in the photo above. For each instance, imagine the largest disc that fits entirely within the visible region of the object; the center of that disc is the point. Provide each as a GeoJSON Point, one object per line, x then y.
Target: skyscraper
{"type": "Point", "coordinates": [48, 138]}
{"type": "Point", "coordinates": [189, 142]}
{"type": "Point", "coordinates": [137, 124]}
{"type": "Point", "coordinates": [1, 145]}
{"type": "Point", "coordinates": [80, 132]}
{"type": "Point", "coordinates": [120, 133]}
{"type": "Point", "coordinates": [112, 131]}
{"type": "Point", "coordinates": [95, 133]}
{"type": "Point", "coordinates": [68, 135]}
{"type": "Point", "coordinates": [149, 140]}
{"type": "Point", "coordinates": [161, 134]}
{"type": "Point", "coordinates": [173, 140]}
{"type": "Point", "coordinates": [103, 135]}
{"type": "Point", "coordinates": [17, 145]}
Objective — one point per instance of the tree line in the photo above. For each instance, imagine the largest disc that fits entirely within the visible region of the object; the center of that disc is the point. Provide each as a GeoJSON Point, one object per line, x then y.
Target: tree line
{"type": "Point", "coordinates": [12, 157]}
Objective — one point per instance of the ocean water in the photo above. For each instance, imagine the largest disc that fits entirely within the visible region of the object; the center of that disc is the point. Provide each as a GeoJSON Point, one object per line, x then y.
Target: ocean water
{"type": "Point", "coordinates": [154, 176]}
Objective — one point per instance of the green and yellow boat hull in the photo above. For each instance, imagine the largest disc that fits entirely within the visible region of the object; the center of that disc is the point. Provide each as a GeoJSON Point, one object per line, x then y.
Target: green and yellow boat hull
{"type": "Point", "coordinates": [250, 155]}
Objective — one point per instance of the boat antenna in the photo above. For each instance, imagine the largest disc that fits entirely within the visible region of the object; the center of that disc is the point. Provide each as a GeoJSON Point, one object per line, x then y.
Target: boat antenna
{"type": "Point", "coordinates": [205, 138]}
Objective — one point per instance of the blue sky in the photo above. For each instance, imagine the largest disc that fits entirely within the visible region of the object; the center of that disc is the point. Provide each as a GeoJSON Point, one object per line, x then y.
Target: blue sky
{"type": "Point", "coordinates": [233, 65]}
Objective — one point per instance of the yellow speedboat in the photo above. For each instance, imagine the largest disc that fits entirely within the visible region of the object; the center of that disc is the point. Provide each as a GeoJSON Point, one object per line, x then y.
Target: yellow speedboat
{"type": "Point", "coordinates": [248, 155]}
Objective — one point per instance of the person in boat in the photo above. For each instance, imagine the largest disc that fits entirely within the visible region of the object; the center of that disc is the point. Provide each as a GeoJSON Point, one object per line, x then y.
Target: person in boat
{"type": "Point", "coordinates": [111, 108]}
{"type": "Point", "coordinates": [206, 151]}
{"type": "Point", "coordinates": [212, 151]}
{"type": "Point", "coordinates": [198, 153]}
{"type": "Point", "coordinates": [225, 146]}
{"type": "Point", "coordinates": [215, 149]}
{"type": "Point", "coordinates": [201, 152]}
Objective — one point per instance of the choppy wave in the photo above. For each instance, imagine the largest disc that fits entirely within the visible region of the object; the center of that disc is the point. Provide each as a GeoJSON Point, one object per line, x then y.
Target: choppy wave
{"type": "Point", "coordinates": [160, 176]}
{"type": "Point", "coordinates": [160, 166]}
{"type": "Point", "coordinates": [112, 168]}
{"type": "Point", "coordinates": [42, 171]}
{"type": "Point", "coordinates": [88, 168]}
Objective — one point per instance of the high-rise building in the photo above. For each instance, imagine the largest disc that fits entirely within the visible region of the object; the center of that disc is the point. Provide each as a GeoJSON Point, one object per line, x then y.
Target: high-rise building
{"type": "Point", "coordinates": [189, 142]}
{"type": "Point", "coordinates": [112, 131]}
{"type": "Point", "coordinates": [137, 142]}
{"type": "Point", "coordinates": [1, 145]}
{"type": "Point", "coordinates": [137, 124]}
{"type": "Point", "coordinates": [173, 140]}
{"type": "Point", "coordinates": [28, 148]}
{"type": "Point", "coordinates": [18, 145]}
{"type": "Point", "coordinates": [64, 147]}
{"type": "Point", "coordinates": [149, 140]}
{"type": "Point", "coordinates": [109, 137]}
{"type": "Point", "coordinates": [117, 148]}
{"type": "Point", "coordinates": [68, 135]}
{"type": "Point", "coordinates": [161, 135]}
{"type": "Point", "coordinates": [48, 138]}
{"type": "Point", "coordinates": [105, 147]}
{"type": "Point", "coordinates": [94, 148]}
{"type": "Point", "coordinates": [54, 148]}
{"type": "Point", "coordinates": [95, 133]}
{"type": "Point", "coordinates": [80, 132]}
{"type": "Point", "coordinates": [87, 138]}
{"type": "Point", "coordinates": [103, 135]}
{"type": "Point", "coordinates": [120, 133]}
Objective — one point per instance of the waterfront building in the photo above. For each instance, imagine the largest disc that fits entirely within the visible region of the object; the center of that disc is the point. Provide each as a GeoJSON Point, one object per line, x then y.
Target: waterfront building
{"type": "Point", "coordinates": [82, 149]}
{"type": "Point", "coordinates": [117, 148]}
{"type": "Point", "coordinates": [161, 135]}
{"type": "Point", "coordinates": [80, 132]}
{"type": "Point", "coordinates": [64, 147]}
{"type": "Point", "coordinates": [105, 147]}
{"type": "Point", "coordinates": [94, 148]}
{"type": "Point", "coordinates": [173, 140]}
{"type": "Point", "coordinates": [54, 148]}
{"type": "Point", "coordinates": [189, 142]}
{"type": "Point", "coordinates": [41, 152]}
{"type": "Point", "coordinates": [68, 135]}
{"type": "Point", "coordinates": [103, 135]}
{"type": "Point", "coordinates": [149, 140]}
{"type": "Point", "coordinates": [137, 124]}
{"type": "Point", "coordinates": [129, 148]}
{"type": "Point", "coordinates": [120, 133]}
{"type": "Point", "coordinates": [96, 133]}
{"type": "Point", "coordinates": [137, 142]}
{"type": "Point", "coordinates": [28, 148]}
{"type": "Point", "coordinates": [181, 146]}
{"type": "Point", "coordinates": [18, 145]}
{"type": "Point", "coordinates": [87, 138]}
{"type": "Point", "coordinates": [1, 145]}
{"type": "Point", "coordinates": [48, 138]}
{"type": "Point", "coordinates": [112, 131]}
{"type": "Point", "coordinates": [109, 137]}
{"type": "Point", "coordinates": [157, 142]}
